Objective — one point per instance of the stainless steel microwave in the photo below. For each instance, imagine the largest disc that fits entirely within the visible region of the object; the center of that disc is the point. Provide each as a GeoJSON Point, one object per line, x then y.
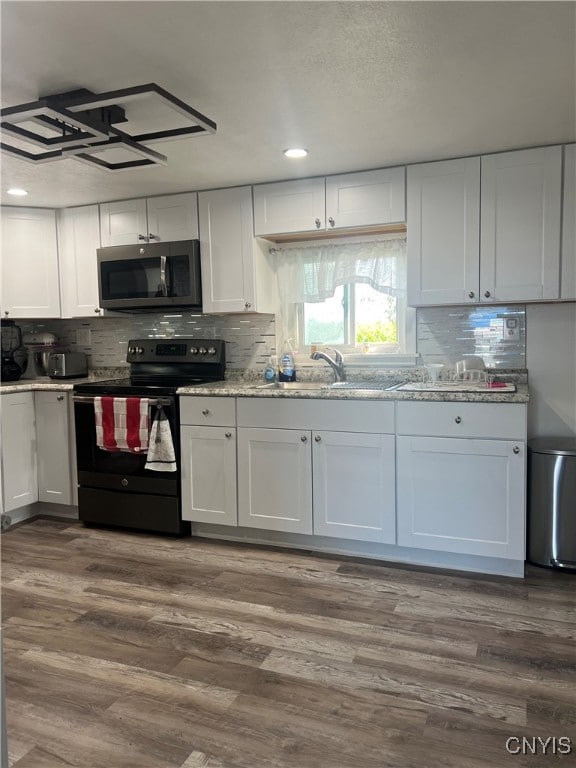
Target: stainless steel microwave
{"type": "Point", "coordinates": [151, 276]}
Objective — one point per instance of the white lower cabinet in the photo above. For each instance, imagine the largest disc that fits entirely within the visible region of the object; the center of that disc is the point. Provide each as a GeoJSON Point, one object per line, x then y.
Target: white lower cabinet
{"type": "Point", "coordinates": [300, 471]}
{"type": "Point", "coordinates": [38, 463]}
{"type": "Point", "coordinates": [209, 474]}
{"type": "Point", "coordinates": [354, 486]}
{"type": "Point", "coordinates": [208, 460]}
{"type": "Point", "coordinates": [462, 494]}
{"type": "Point", "coordinates": [53, 446]}
{"type": "Point", "coordinates": [19, 473]}
{"type": "Point", "coordinates": [275, 479]}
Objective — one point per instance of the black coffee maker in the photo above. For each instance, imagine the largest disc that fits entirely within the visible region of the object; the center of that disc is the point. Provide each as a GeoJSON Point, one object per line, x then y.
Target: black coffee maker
{"type": "Point", "coordinates": [11, 341]}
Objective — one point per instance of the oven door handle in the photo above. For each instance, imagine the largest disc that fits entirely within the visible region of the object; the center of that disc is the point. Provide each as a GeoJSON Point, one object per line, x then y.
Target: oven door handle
{"type": "Point", "coordinates": [89, 399]}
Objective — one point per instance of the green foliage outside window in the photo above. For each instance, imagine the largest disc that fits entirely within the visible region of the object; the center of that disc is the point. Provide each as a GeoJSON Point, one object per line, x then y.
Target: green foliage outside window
{"type": "Point", "coordinates": [376, 332]}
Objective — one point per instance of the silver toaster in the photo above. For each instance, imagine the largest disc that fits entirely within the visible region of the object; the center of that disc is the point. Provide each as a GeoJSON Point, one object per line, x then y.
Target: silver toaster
{"type": "Point", "coordinates": [67, 365]}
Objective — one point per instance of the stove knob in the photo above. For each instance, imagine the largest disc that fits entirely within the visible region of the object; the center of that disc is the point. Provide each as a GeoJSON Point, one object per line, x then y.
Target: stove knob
{"type": "Point", "coordinates": [211, 350]}
{"type": "Point", "coordinates": [193, 350]}
{"type": "Point", "coordinates": [202, 350]}
{"type": "Point", "coordinates": [131, 350]}
{"type": "Point", "coordinates": [139, 351]}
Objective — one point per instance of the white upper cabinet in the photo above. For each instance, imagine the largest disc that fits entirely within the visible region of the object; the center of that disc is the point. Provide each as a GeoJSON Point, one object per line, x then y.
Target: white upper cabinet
{"type": "Point", "coordinates": [236, 273]}
{"type": "Point", "coordinates": [443, 232]}
{"type": "Point", "coordinates": [568, 283]}
{"type": "Point", "coordinates": [290, 206]}
{"type": "Point", "coordinates": [485, 230]}
{"type": "Point", "coordinates": [123, 223]}
{"type": "Point", "coordinates": [368, 198]}
{"type": "Point", "coordinates": [29, 263]}
{"type": "Point", "coordinates": [520, 203]}
{"type": "Point", "coordinates": [78, 239]}
{"type": "Point", "coordinates": [173, 217]}
{"type": "Point", "coordinates": [156, 219]}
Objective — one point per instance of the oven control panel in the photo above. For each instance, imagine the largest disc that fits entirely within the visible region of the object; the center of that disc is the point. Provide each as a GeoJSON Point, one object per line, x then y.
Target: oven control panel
{"type": "Point", "coordinates": [181, 350]}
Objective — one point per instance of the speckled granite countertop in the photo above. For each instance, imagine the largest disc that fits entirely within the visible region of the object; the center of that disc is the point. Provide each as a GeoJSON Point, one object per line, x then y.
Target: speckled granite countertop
{"type": "Point", "coordinates": [254, 389]}
{"type": "Point", "coordinates": [47, 384]}
{"type": "Point", "coordinates": [251, 385]}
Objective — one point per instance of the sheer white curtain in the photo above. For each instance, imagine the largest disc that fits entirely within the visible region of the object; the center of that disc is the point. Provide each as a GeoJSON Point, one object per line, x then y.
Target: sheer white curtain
{"type": "Point", "coordinates": [311, 273]}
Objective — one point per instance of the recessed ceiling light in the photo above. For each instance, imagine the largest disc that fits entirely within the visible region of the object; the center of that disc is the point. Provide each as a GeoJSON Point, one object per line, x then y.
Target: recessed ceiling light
{"type": "Point", "coordinates": [295, 152]}
{"type": "Point", "coordinates": [17, 192]}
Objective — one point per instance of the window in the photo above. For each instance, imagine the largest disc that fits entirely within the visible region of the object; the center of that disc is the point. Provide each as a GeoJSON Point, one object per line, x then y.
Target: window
{"type": "Point", "coordinates": [357, 316]}
{"type": "Point", "coordinates": [346, 293]}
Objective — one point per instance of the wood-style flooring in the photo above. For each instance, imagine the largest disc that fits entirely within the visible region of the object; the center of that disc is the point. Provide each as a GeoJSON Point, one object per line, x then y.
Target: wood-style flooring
{"type": "Point", "coordinates": [127, 650]}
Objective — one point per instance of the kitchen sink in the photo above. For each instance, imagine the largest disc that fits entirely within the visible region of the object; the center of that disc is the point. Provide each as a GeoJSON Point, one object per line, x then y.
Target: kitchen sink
{"type": "Point", "coordinates": [364, 385]}
{"type": "Point", "coordinates": [293, 385]}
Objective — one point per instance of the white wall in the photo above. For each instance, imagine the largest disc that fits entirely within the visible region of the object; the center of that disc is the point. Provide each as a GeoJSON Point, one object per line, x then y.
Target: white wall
{"type": "Point", "coordinates": [551, 363]}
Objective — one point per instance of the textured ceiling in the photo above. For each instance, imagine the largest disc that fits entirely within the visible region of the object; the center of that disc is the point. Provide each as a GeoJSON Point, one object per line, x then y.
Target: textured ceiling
{"type": "Point", "coordinates": [360, 84]}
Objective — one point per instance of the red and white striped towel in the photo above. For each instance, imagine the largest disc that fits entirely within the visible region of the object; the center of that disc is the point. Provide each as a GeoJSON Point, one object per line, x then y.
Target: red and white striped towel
{"type": "Point", "coordinates": [122, 423]}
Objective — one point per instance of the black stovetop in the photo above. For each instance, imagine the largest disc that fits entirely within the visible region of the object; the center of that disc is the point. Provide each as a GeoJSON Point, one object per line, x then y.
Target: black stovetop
{"type": "Point", "coordinates": [134, 388]}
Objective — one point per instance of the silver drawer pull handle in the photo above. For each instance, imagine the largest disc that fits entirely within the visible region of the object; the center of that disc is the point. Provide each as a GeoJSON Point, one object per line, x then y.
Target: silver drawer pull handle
{"type": "Point", "coordinates": [205, 412]}
{"type": "Point", "coordinates": [318, 223]}
{"type": "Point", "coordinates": [228, 434]}
{"type": "Point", "coordinates": [516, 449]}
{"type": "Point", "coordinates": [318, 438]}
{"type": "Point", "coordinates": [471, 294]}
{"type": "Point", "coordinates": [60, 398]}
{"type": "Point", "coordinates": [304, 439]}
{"type": "Point", "coordinates": [458, 419]}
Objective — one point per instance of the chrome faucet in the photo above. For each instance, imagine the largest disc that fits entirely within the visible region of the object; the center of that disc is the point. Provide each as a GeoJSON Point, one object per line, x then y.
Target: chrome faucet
{"type": "Point", "coordinates": [336, 363]}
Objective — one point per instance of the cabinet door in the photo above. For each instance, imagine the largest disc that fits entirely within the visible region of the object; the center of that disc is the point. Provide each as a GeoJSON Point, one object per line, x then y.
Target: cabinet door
{"type": "Point", "coordinates": [465, 496]}
{"type": "Point", "coordinates": [209, 475]}
{"type": "Point", "coordinates": [226, 249]}
{"type": "Point", "coordinates": [79, 238]}
{"type": "Point", "coordinates": [275, 479]}
{"type": "Point", "coordinates": [568, 284]}
{"type": "Point", "coordinates": [520, 230]}
{"type": "Point", "coordinates": [367, 198]}
{"type": "Point", "coordinates": [53, 447]}
{"type": "Point", "coordinates": [123, 223]}
{"type": "Point", "coordinates": [19, 475]}
{"type": "Point", "coordinates": [29, 263]}
{"type": "Point", "coordinates": [289, 206]}
{"type": "Point", "coordinates": [443, 232]}
{"type": "Point", "coordinates": [354, 486]}
{"type": "Point", "coordinates": [173, 217]}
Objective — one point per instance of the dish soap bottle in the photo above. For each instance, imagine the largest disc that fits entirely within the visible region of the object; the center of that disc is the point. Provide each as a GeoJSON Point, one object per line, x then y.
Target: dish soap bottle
{"type": "Point", "coordinates": [286, 369]}
{"type": "Point", "coordinates": [271, 369]}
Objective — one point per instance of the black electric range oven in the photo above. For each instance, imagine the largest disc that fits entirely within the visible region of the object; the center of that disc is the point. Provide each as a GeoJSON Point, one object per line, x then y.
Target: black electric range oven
{"type": "Point", "coordinates": [115, 488]}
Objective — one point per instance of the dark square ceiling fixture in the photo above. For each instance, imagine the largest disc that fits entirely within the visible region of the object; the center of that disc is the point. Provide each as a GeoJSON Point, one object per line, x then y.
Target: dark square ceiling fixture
{"type": "Point", "coordinates": [82, 124]}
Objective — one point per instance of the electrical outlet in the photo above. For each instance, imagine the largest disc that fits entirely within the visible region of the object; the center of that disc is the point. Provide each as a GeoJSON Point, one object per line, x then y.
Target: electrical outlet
{"type": "Point", "coordinates": [511, 329]}
{"type": "Point", "coordinates": [83, 337]}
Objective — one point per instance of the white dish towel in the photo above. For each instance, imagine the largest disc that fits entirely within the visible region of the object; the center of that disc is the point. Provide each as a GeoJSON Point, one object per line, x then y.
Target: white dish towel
{"type": "Point", "coordinates": [161, 454]}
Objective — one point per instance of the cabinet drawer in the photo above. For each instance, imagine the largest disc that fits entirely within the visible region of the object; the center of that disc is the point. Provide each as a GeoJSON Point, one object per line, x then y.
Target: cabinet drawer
{"type": "Point", "coordinates": [209, 411]}
{"type": "Point", "coordinates": [337, 416]}
{"type": "Point", "coordinates": [484, 420]}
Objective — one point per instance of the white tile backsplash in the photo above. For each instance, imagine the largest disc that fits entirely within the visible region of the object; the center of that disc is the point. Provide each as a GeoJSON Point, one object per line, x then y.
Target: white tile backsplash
{"type": "Point", "coordinates": [448, 334]}
{"type": "Point", "coordinates": [444, 335]}
{"type": "Point", "coordinates": [250, 339]}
